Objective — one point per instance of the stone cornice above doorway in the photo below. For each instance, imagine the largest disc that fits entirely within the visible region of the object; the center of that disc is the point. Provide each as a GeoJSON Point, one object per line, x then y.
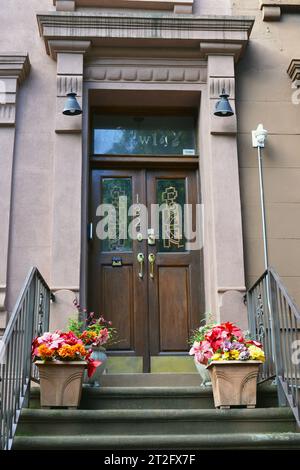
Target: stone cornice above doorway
{"type": "Point", "coordinates": [148, 30]}
{"type": "Point", "coordinates": [178, 6]}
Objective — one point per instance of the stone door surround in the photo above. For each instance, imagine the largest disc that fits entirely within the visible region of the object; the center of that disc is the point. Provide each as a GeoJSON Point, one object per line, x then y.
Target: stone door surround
{"type": "Point", "coordinates": [73, 39]}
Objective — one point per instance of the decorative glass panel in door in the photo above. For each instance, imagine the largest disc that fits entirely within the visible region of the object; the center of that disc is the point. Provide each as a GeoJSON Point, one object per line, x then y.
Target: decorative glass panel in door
{"type": "Point", "coordinates": [171, 199]}
{"type": "Point", "coordinates": [117, 193]}
{"type": "Point", "coordinates": [118, 134]}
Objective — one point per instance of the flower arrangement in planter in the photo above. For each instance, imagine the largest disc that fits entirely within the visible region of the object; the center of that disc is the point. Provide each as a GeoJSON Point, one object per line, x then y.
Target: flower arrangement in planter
{"type": "Point", "coordinates": [233, 360]}
{"type": "Point", "coordinates": [61, 358]}
{"type": "Point", "coordinates": [196, 338]}
{"type": "Point", "coordinates": [96, 334]}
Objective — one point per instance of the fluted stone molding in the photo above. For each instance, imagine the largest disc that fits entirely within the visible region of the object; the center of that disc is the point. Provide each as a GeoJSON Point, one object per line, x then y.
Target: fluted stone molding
{"type": "Point", "coordinates": [177, 6]}
{"type": "Point", "coordinates": [273, 9]}
{"type": "Point", "coordinates": [14, 68]}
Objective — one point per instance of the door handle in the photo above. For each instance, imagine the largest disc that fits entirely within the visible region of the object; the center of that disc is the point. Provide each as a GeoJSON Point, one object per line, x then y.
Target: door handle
{"type": "Point", "coordinates": [141, 259]}
{"type": "Point", "coordinates": [151, 259]}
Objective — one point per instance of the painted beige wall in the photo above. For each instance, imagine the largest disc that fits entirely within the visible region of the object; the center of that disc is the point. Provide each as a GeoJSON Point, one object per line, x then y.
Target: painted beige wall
{"type": "Point", "coordinates": [264, 94]}
{"type": "Point", "coordinates": [35, 236]}
{"type": "Point", "coordinates": [33, 154]}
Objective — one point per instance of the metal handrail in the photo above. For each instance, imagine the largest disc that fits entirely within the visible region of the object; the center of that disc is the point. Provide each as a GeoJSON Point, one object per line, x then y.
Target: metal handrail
{"type": "Point", "coordinates": [30, 318]}
{"type": "Point", "coordinates": [274, 319]}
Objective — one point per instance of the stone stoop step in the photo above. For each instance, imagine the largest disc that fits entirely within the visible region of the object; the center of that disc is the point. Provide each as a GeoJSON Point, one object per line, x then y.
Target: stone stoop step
{"type": "Point", "coordinates": [179, 397]}
{"type": "Point", "coordinates": [152, 413]}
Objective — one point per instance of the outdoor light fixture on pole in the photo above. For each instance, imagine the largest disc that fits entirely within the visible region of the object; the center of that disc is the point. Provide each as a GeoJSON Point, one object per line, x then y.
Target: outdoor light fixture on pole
{"type": "Point", "coordinates": [72, 107]}
{"type": "Point", "coordinates": [223, 107]}
{"type": "Point", "coordinates": [259, 137]}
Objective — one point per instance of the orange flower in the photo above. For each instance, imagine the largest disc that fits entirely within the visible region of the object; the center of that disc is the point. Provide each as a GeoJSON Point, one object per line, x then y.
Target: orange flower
{"type": "Point", "coordinates": [44, 352]}
{"type": "Point", "coordinates": [72, 352]}
{"type": "Point", "coordinates": [67, 352]}
{"type": "Point", "coordinates": [79, 348]}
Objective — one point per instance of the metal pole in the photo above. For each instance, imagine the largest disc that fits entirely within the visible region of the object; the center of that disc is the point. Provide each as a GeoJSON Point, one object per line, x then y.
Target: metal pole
{"type": "Point", "coordinates": [281, 397]}
{"type": "Point", "coordinates": [263, 209]}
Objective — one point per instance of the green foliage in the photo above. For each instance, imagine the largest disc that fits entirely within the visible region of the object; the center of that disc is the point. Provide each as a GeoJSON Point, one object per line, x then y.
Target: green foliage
{"type": "Point", "coordinates": [75, 326]}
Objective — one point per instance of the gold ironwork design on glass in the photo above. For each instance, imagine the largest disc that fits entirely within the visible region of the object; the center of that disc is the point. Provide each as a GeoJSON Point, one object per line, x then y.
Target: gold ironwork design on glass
{"type": "Point", "coordinates": [172, 219]}
{"type": "Point", "coordinates": [141, 259]}
{"type": "Point", "coordinates": [151, 259]}
{"type": "Point", "coordinates": [118, 200]}
{"type": "Point", "coordinates": [117, 192]}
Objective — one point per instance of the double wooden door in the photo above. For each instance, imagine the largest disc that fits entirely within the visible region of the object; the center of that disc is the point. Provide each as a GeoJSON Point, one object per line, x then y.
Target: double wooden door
{"type": "Point", "coordinates": [143, 275]}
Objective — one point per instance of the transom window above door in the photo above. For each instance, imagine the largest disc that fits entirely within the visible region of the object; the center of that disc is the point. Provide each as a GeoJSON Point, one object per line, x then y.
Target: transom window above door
{"type": "Point", "coordinates": [118, 134]}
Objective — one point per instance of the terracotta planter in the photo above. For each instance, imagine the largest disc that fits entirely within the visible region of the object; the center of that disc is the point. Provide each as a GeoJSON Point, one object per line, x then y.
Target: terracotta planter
{"type": "Point", "coordinates": [61, 383]}
{"type": "Point", "coordinates": [234, 383]}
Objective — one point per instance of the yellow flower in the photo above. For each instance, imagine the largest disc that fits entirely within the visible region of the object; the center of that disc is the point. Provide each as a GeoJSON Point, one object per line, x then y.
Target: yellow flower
{"type": "Point", "coordinates": [226, 356]}
{"type": "Point", "coordinates": [234, 355]}
{"type": "Point", "coordinates": [256, 354]}
{"type": "Point", "coordinates": [216, 357]}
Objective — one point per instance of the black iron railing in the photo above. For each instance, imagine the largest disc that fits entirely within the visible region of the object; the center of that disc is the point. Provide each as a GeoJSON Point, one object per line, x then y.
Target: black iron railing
{"type": "Point", "coordinates": [29, 319]}
{"type": "Point", "coordinates": [274, 320]}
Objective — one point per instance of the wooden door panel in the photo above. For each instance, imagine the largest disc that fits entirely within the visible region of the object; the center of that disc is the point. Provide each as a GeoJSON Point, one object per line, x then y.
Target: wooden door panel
{"type": "Point", "coordinates": [118, 300]}
{"type": "Point", "coordinates": [118, 293]}
{"type": "Point", "coordinates": [176, 300]}
{"type": "Point", "coordinates": [173, 287]}
{"type": "Point", "coordinates": [154, 316]}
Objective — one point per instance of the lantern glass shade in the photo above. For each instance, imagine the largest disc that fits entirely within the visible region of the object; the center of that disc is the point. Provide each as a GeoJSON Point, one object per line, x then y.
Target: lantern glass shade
{"type": "Point", "coordinates": [72, 107]}
{"type": "Point", "coordinates": [223, 107]}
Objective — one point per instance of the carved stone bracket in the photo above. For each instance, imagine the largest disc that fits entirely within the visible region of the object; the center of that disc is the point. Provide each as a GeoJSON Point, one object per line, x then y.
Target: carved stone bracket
{"type": "Point", "coordinates": [69, 56]}
{"type": "Point", "coordinates": [272, 9]}
{"type": "Point", "coordinates": [294, 71]}
{"type": "Point", "coordinates": [13, 71]}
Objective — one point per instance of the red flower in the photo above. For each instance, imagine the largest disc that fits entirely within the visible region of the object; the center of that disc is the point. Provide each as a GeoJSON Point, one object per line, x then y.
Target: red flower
{"type": "Point", "coordinates": [233, 330]}
{"type": "Point", "coordinates": [70, 338]}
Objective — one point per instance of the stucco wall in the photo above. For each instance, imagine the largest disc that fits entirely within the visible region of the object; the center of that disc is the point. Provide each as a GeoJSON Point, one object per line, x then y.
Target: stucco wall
{"type": "Point", "coordinates": [264, 94]}
{"type": "Point", "coordinates": [33, 155]}
{"type": "Point", "coordinates": [31, 233]}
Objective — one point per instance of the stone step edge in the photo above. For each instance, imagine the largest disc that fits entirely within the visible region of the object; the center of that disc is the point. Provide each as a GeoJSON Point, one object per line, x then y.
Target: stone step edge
{"type": "Point", "coordinates": [258, 414]}
{"type": "Point", "coordinates": [220, 441]}
{"type": "Point", "coordinates": [154, 391]}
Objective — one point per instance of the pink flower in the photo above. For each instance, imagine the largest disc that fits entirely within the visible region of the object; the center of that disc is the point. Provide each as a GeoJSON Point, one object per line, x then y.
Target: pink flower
{"type": "Point", "coordinates": [104, 336]}
{"type": "Point", "coordinates": [202, 352]}
{"type": "Point", "coordinates": [52, 341]}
